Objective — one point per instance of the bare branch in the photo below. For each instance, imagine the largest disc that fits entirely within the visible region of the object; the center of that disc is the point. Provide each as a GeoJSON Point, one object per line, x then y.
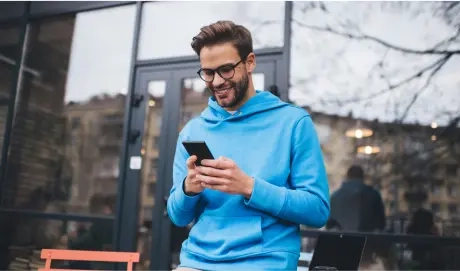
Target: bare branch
{"type": "Point", "coordinates": [425, 86]}
{"type": "Point", "coordinates": [432, 51]}
{"type": "Point", "coordinates": [392, 87]}
{"type": "Point", "coordinates": [449, 40]}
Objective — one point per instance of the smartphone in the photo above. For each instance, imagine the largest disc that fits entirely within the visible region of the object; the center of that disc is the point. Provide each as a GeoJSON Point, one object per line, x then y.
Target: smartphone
{"type": "Point", "coordinates": [198, 148]}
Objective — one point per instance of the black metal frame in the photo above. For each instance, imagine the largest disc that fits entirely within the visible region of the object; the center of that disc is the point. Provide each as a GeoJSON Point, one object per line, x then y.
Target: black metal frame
{"type": "Point", "coordinates": [12, 11]}
{"type": "Point", "coordinates": [126, 219]}
{"type": "Point", "coordinates": [41, 9]}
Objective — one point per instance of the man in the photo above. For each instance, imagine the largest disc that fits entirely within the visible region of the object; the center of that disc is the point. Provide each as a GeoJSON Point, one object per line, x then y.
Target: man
{"type": "Point", "coordinates": [269, 176]}
{"type": "Point", "coordinates": [98, 237]}
{"type": "Point", "coordinates": [357, 206]}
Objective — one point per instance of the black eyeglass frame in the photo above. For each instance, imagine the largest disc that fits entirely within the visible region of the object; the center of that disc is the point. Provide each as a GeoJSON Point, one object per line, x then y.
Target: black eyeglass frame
{"type": "Point", "coordinates": [233, 66]}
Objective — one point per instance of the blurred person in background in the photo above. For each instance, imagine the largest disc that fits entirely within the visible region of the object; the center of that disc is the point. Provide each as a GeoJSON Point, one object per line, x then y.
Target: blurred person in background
{"type": "Point", "coordinates": [359, 207]}
{"type": "Point", "coordinates": [98, 237]}
{"type": "Point", "coordinates": [425, 256]}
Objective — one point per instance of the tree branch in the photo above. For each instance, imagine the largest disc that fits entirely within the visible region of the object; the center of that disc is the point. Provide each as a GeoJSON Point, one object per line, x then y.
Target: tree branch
{"type": "Point", "coordinates": [425, 86]}
{"type": "Point", "coordinates": [439, 62]}
{"type": "Point", "coordinates": [432, 51]}
{"type": "Point", "coordinates": [449, 40]}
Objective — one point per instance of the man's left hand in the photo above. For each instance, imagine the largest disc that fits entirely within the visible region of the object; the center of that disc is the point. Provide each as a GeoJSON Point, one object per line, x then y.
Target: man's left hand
{"type": "Point", "coordinates": [223, 174]}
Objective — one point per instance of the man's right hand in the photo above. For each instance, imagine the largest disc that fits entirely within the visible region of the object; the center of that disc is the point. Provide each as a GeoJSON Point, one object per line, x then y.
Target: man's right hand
{"type": "Point", "coordinates": [191, 185]}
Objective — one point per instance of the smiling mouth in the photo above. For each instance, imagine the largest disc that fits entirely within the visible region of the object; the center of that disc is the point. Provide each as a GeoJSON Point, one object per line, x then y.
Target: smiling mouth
{"type": "Point", "coordinates": [223, 90]}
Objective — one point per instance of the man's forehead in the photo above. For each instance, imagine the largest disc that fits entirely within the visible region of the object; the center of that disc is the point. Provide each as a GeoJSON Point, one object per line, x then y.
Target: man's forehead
{"type": "Point", "coordinates": [212, 57]}
{"type": "Point", "coordinates": [217, 65]}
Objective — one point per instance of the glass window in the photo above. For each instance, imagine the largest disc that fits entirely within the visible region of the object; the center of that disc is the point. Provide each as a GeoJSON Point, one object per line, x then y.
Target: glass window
{"type": "Point", "coordinates": [30, 235]}
{"type": "Point", "coordinates": [452, 190]}
{"type": "Point", "coordinates": [68, 122]}
{"type": "Point", "coordinates": [168, 27]}
{"type": "Point", "coordinates": [384, 76]}
{"type": "Point", "coordinates": [9, 47]}
{"type": "Point", "coordinates": [452, 209]}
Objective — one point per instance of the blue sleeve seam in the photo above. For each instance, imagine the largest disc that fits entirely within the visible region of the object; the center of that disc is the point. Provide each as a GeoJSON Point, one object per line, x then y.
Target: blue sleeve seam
{"type": "Point", "coordinates": [284, 202]}
{"type": "Point", "coordinates": [295, 128]}
{"type": "Point", "coordinates": [182, 209]}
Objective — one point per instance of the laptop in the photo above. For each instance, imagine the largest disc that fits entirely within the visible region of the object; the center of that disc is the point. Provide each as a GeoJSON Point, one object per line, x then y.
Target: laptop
{"type": "Point", "coordinates": [337, 252]}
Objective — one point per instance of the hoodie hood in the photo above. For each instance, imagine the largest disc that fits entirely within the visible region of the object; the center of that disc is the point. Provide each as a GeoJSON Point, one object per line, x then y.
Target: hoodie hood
{"type": "Point", "coordinates": [262, 101]}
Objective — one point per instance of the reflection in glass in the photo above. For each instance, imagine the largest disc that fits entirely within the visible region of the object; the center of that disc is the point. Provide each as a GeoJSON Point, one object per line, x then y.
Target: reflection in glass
{"type": "Point", "coordinates": [68, 122]}
{"type": "Point", "coordinates": [152, 128]}
{"type": "Point", "coordinates": [194, 99]}
{"type": "Point", "coordinates": [356, 64]}
{"type": "Point", "coordinates": [9, 45]}
{"type": "Point", "coordinates": [35, 234]}
{"type": "Point", "coordinates": [359, 131]}
{"type": "Point", "coordinates": [265, 34]}
{"type": "Point", "coordinates": [392, 67]}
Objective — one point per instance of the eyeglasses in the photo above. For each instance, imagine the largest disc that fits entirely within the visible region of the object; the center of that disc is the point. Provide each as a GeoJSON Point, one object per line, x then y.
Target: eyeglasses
{"type": "Point", "coordinates": [225, 71]}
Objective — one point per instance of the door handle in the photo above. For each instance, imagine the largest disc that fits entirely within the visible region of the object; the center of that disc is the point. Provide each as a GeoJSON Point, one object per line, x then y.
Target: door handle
{"type": "Point", "coordinates": [165, 210]}
{"type": "Point", "coordinates": [133, 136]}
{"type": "Point", "coordinates": [137, 100]}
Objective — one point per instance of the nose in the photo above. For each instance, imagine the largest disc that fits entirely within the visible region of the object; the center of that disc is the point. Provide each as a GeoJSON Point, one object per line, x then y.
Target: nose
{"type": "Point", "coordinates": [217, 80]}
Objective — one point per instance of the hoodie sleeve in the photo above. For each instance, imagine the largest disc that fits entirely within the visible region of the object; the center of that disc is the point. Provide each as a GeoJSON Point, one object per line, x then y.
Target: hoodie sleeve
{"type": "Point", "coordinates": [307, 201]}
{"type": "Point", "coordinates": [181, 208]}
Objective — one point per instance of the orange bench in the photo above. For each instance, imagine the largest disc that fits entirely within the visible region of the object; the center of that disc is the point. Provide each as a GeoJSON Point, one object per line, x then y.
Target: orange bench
{"type": "Point", "coordinates": [85, 255]}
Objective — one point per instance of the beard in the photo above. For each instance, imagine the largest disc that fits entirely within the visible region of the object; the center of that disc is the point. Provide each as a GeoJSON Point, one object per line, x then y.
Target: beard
{"type": "Point", "coordinates": [231, 93]}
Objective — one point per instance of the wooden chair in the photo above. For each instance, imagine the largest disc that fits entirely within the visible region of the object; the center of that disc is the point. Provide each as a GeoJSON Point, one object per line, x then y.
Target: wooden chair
{"type": "Point", "coordinates": [85, 255]}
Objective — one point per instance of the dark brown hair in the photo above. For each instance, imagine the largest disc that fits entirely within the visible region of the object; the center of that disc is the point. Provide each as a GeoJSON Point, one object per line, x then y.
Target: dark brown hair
{"type": "Point", "coordinates": [223, 32]}
{"type": "Point", "coordinates": [355, 172]}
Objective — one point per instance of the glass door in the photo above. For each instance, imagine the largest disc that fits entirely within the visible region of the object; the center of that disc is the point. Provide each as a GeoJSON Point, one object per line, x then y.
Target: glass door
{"type": "Point", "coordinates": [176, 95]}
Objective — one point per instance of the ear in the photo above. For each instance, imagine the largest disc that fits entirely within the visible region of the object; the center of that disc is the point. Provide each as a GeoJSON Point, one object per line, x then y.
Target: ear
{"type": "Point", "coordinates": [251, 62]}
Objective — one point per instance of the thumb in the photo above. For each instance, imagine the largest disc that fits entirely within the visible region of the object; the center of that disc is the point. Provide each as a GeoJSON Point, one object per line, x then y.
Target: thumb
{"type": "Point", "coordinates": [191, 162]}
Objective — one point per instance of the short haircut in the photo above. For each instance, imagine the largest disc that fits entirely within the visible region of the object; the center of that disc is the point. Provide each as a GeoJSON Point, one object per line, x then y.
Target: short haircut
{"type": "Point", "coordinates": [224, 32]}
{"type": "Point", "coordinates": [355, 172]}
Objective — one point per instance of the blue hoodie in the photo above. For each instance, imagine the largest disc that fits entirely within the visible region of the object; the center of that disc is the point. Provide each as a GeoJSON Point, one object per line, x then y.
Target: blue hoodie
{"type": "Point", "coordinates": [275, 143]}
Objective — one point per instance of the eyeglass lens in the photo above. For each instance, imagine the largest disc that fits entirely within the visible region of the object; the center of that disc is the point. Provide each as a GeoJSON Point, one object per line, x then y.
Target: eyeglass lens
{"type": "Point", "coordinates": [226, 72]}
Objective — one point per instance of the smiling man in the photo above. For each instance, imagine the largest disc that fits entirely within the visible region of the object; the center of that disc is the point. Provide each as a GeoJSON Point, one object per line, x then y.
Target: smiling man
{"type": "Point", "coordinates": [269, 177]}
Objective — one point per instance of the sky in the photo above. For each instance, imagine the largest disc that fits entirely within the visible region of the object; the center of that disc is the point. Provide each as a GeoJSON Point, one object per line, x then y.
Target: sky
{"type": "Point", "coordinates": [324, 66]}
{"type": "Point", "coordinates": [339, 69]}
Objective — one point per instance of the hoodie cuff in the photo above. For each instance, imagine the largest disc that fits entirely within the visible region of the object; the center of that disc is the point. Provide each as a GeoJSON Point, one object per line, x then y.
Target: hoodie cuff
{"type": "Point", "coordinates": [183, 201]}
{"type": "Point", "coordinates": [267, 197]}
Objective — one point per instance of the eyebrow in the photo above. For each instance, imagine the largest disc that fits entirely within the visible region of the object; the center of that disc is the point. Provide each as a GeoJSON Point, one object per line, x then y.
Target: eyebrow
{"type": "Point", "coordinates": [226, 64]}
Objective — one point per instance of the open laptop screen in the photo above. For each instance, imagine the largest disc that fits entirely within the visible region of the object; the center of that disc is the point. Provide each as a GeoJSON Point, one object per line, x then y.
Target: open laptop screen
{"type": "Point", "coordinates": [338, 252]}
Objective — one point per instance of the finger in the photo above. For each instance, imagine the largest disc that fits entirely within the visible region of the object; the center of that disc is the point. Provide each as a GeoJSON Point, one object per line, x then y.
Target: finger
{"type": "Point", "coordinates": [191, 162]}
{"type": "Point", "coordinates": [195, 181]}
{"type": "Point", "coordinates": [213, 172]}
{"type": "Point", "coordinates": [192, 176]}
{"type": "Point", "coordinates": [223, 158]}
{"type": "Point", "coordinates": [222, 164]}
{"type": "Point", "coordinates": [211, 180]}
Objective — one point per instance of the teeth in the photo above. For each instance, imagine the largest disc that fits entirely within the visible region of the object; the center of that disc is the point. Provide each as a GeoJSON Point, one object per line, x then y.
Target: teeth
{"type": "Point", "coordinates": [223, 90]}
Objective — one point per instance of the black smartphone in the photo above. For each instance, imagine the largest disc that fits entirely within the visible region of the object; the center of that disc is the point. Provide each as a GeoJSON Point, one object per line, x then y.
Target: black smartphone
{"type": "Point", "coordinates": [198, 148]}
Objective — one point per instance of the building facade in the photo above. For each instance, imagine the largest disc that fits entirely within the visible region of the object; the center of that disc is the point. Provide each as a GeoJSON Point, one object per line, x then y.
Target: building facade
{"type": "Point", "coordinates": [94, 94]}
